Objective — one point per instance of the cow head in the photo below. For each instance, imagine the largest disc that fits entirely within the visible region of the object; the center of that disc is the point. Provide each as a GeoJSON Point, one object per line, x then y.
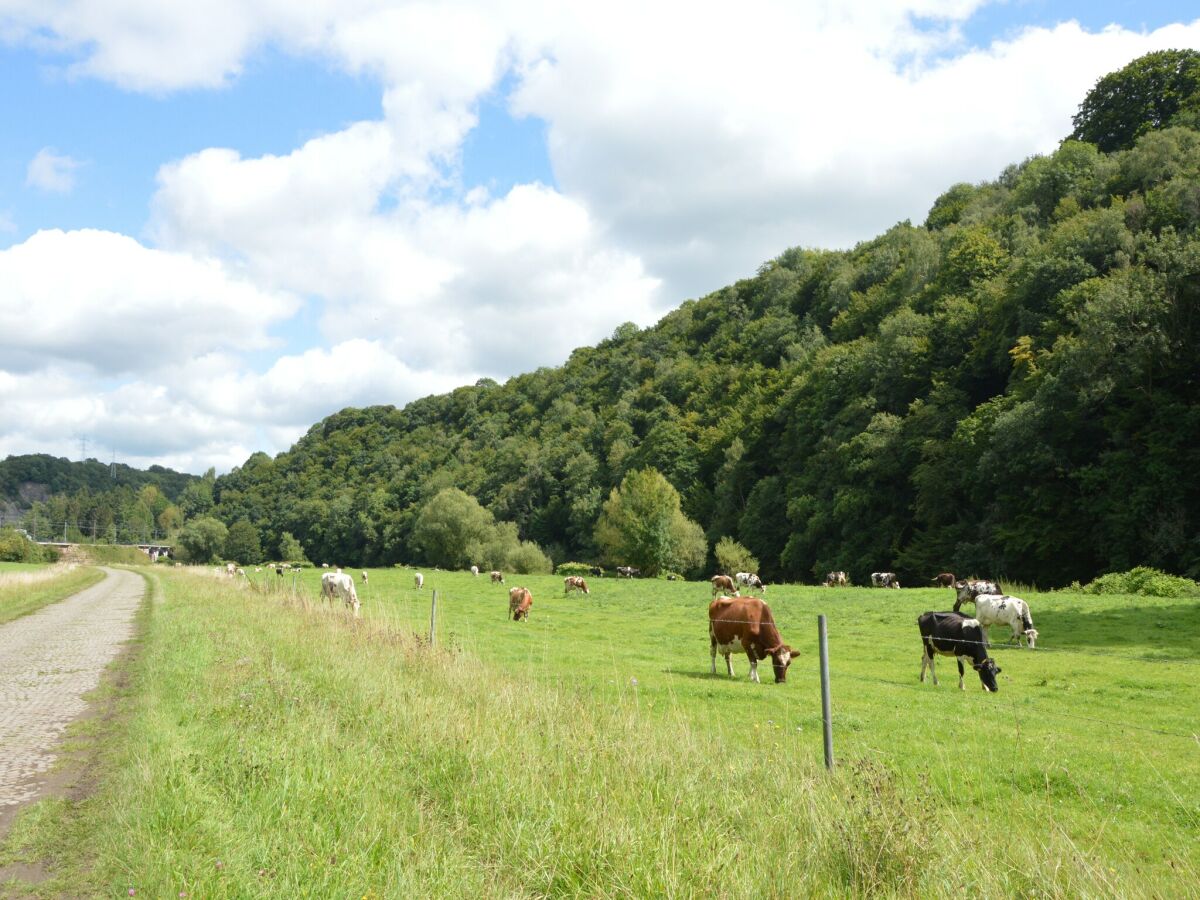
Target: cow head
{"type": "Point", "coordinates": [780, 660]}
{"type": "Point", "coordinates": [988, 670]}
{"type": "Point", "coordinates": [1031, 637]}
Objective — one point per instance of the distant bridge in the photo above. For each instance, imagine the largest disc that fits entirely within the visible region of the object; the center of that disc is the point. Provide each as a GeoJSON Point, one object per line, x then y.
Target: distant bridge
{"type": "Point", "coordinates": [149, 549]}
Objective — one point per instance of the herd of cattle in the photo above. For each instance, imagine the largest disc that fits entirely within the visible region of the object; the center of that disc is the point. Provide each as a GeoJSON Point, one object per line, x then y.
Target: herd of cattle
{"type": "Point", "coordinates": [745, 621]}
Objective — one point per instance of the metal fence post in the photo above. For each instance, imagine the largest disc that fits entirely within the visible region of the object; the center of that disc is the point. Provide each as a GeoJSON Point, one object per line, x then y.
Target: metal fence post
{"type": "Point", "coordinates": [433, 620]}
{"type": "Point", "coordinates": [825, 704]}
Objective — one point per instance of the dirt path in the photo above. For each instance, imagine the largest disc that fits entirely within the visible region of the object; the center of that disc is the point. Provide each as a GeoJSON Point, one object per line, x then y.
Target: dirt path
{"type": "Point", "coordinates": [48, 661]}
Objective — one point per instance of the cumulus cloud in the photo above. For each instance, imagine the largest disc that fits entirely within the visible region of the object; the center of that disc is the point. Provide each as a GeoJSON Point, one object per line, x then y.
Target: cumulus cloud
{"type": "Point", "coordinates": [689, 143]}
{"type": "Point", "coordinates": [51, 171]}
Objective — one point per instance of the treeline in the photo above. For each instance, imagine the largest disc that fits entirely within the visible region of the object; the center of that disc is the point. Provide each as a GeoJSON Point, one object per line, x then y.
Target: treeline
{"type": "Point", "coordinates": [37, 476]}
{"type": "Point", "coordinates": [1009, 388]}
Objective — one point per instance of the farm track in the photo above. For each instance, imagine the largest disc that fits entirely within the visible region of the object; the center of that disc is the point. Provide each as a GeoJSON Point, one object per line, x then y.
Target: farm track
{"type": "Point", "coordinates": [49, 660]}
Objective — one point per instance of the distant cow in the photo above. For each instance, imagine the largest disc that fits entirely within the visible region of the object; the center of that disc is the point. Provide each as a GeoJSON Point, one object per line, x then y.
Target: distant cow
{"type": "Point", "coordinates": [364, 577]}
{"type": "Point", "coordinates": [339, 585]}
{"type": "Point", "coordinates": [953, 634]}
{"type": "Point", "coordinates": [596, 571]}
{"type": "Point", "coordinates": [230, 568]}
{"type": "Point", "coordinates": [968, 590]}
{"type": "Point", "coordinates": [574, 583]}
{"type": "Point", "coordinates": [836, 579]}
{"type": "Point", "coordinates": [474, 570]}
{"type": "Point", "coordinates": [497, 578]}
{"type": "Point", "coordinates": [750, 579]}
{"type": "Point", "coordinates": [943, 579]}
{"type": "Point", "coordinates": [885, 580]}
{"type": "Point", "coordinates": [723, 583]}
{"type": "Point", "coordinates": [628, 572]}
{"type": "Point", "coordinates": [324, 565]}
{"type": "Point", "coordinates": [746, 622]}
{"type": "Point", "coordinates": [1000, 609]}
{"type": "Point", "coordinates": [418, 581]}
{"type": "Point", "coordinates": [519, 601]}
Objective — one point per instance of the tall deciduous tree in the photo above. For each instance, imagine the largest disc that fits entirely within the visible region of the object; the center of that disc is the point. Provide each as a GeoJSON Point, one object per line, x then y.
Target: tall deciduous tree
{"type": "Point", "coordinates": [641, 524]}
{"type": "Point", "coordinates": [203, 539]}
{"type": "Point", "coordinates": [1147, 94]}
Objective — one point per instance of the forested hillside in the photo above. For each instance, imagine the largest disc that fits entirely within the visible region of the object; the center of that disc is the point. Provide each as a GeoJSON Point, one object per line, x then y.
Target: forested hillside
{"type": "Point", "coordinates": [1007, 388]}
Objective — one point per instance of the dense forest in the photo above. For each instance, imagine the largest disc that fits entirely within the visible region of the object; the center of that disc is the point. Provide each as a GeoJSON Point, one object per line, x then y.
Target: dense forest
{"type": "Point", "coordinates": [1009, 388]}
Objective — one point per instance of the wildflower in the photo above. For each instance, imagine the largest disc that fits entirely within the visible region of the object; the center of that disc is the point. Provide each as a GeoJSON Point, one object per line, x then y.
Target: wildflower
{"type": "Point", "coordinates": [633, 681]}
{"type": "Point", "coordinates": [132, 891]}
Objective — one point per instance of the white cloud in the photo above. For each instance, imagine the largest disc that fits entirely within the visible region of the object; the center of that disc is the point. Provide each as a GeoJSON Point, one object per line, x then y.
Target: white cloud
{"type": "Point", "coordinates": [51, 171]}
{"type": "Point", "coordinates": [689, 143]}
{"type": "Point", "coordinates": [102, 301]}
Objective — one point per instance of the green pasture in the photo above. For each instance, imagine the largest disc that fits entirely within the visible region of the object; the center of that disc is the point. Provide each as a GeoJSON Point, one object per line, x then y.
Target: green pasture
{"type": "Point", "coordinates": [274, 748]}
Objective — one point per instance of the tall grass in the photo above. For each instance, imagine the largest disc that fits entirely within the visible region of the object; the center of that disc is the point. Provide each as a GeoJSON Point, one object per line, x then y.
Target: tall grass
{"type": "Point", "coordinates": [25, 589]}
{"type": "Point", "coordinates": [276, 749]}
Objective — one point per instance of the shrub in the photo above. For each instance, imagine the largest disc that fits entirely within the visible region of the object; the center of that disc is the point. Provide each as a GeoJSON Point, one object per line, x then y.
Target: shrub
{"type": "Point", "coordinates": [16, 547]}
{"type": "Point", "coordinates": [528, 559]}
{"type": "Point", "coordinates": [733, 557]}
{"type": "Point", "coordinates": [573, 568]}
{"type": "Point", "coordinates": [1144, 581]}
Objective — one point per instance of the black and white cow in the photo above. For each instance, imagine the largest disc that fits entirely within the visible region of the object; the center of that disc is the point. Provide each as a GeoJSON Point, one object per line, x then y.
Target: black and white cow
{"type": "Point", "coordinates": [953, 634]}
{"type": "Point", "coordinates": [885, 580]}
{"type": "Point", "coordinates": [1001, 609]}
{"type": "Point", "coordinates": [628, 572]}
{"type": "Point", "coordinates": [969, 589]}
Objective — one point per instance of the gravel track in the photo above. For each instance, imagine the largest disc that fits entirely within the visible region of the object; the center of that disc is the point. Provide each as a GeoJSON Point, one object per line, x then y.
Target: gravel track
{"type": "Point", "coordinates": [48, 661]}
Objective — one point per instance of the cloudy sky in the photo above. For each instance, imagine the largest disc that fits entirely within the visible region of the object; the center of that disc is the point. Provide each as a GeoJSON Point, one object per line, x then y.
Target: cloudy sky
{"type": "Point", "coordinates": [221, 222]}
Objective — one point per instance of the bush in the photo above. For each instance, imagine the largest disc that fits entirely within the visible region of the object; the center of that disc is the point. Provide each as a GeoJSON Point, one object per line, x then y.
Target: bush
{"type": "Point", "coordinates": [15, 547]}
{"type": "Point", "coordinates": [573, 568]}
{"type": "Point", "coordinates": [1144, 581]}
{"type": "Point", "coordinates": [528, 559]}
{"type": "Point", "coordinates": [733, 557]}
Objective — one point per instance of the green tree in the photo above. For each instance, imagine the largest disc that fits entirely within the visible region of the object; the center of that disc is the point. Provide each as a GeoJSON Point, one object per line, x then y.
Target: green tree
{"type": "Point", "coordinates": [242, 543]}
{"type": "Point", "coordinates": [450, 523]}
{"type": "Point", "coordinates": [196, 499]}
{"type": "Point", "coordinates": [203, 539]}
{"type": "Point", "coordinates": [733, 557]}
{"type": "Point", "coordinates": [1145, 95]}
{"type": "Point", "coordinates": [641, 524]}
{"type": "Point", "coordinates": [290, 549]}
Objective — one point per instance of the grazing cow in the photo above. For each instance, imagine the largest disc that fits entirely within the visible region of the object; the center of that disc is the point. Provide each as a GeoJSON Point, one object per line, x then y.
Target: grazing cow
{"type": "Point", "coordinates": [597, 571]}
{"type": "Point", "coordinates": [519, 601]}
{"type": "Point", "coordinates": [230, 568]}
{"type": "Point", "coordinates": [750, 579]}
{"type": "Point", "coordinates": [475, 571]}
{"type": "Point", "coordinates": [836, 579]}
{"type": "Point", "coordinates": [497, 578]}
{"type": "Point", "coordinates": [884, 580]}
{"type": "Point", "coordinates": [968, 590]}
{"type": "Point", "coordinates": [629, 572]}
{"type": "Point", "coordinates": [324, 565]}
{"type": "Point", "coordinates": [723, 583]}
{"type": "Point", "coordinates": [364, 577]}
{"type": "Point", "coordinates": [240, 571]}
{"type": "Point", "coordinates": [1000, 609]}
{"type": "Point", "coordinates": [574, 583]}
{"type": "Point", "coordinates": [953, 634]}
{"type": "Point", "coordinates": [336, 585]}
{"type": "Point", "coordinates": [419, 581]}
{"type": "Point", "coordinates": [943, 579]}
{"type": "Point", "coordinates": [747, 622]}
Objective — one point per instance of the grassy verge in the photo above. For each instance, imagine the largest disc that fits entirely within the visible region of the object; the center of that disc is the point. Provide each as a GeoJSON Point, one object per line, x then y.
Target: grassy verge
{"type": "Point", "coordinates": [19, 597]}
{"type": "Point", "coordinates": [274, 750]}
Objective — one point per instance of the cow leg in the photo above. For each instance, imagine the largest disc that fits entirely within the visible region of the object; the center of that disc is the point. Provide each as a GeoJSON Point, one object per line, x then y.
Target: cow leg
{"type": "Point", "coordinates": [924, 665]}
{"type": "Point", "coordinates": [754, 670]}
{"type": "Point", "coordinates": [961, 686]}
{"type": "Point", "coordinates": [713, 649]}
{"type": "Point", "coordinates": [729, 664]}
{"type": "Point", "coordinates": [932, 668]}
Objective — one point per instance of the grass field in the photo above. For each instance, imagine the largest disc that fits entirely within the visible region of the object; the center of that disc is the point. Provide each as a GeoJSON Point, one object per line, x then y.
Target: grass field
{"type": "Point", "coordinates": [27, 587]}
{"type": "Point", "coordinates": [272, 748]}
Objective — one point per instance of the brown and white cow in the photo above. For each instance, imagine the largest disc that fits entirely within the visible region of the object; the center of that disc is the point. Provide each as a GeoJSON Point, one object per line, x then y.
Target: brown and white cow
{"type": "Point", "coordinates": [836, 579]}
{"type": "Point", "coordinates": [574, 583]}
{"type": "Point", "coordinates": [747, 622]}
{"type": "Point", "coordinates": [519, 601]}
{"type": "Point", "coordinates": [723, 584]}
{"type": "Point", "coordinates": [497, 577]}
{"type": "Point", "coordinates": [943, 579]}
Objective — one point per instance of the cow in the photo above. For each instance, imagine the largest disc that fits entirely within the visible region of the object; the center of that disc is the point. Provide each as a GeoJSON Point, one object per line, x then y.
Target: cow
{"type": "Point", "coordinates": [943, 579]}
{"type": "Point", "coordinates": [723, 583]}
{"type": "Point", "coordinates": [418, 581]}
{"type": "Point", "coordinates": [750, 579]}
{"type": "Point", "coordinates": [474, 571]}
{"type": "Point", "coordinates": [574, 583]}
{"type": "Point", "coordinates": [324, 565]}
{"type": "Point", "coordinates": [1001, 609]}
{"type": "Point", "coordinates": [885, 580]}
{"type": "Point", "coordinates": [628, 572]}
{"type": "Point", "coordinates": [747, 622]}
{"type": "Point", "coordinates": [240, 571]}
{"type": "Point", "coordinates": [364, 577]}
{"type": "Point", "coordinates": [836, 579]}
{"type": "Point", "coordinates": [968, 590]}
{"type": "Point", "coordinates": [953, 634]}
{"type": "Point", "coordinates": [336, 585]}
{"type": "Point", "coordinates": [497, 577]}
{"type": "Point", "coordinates": [230, 568]}
{"type": "Point", "coordinates": [519, 601]}
{"type": "Point", "coordinates": [596, 571]}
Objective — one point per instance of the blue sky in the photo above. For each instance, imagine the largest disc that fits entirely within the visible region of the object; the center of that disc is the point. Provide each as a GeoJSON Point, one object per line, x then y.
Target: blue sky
{"type": "Point", "coordinates": [347, 207]}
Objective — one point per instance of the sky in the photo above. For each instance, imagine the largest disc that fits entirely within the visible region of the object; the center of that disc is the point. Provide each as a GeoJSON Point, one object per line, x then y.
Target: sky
{"type": "Point", "coordinates": [222, 222]}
